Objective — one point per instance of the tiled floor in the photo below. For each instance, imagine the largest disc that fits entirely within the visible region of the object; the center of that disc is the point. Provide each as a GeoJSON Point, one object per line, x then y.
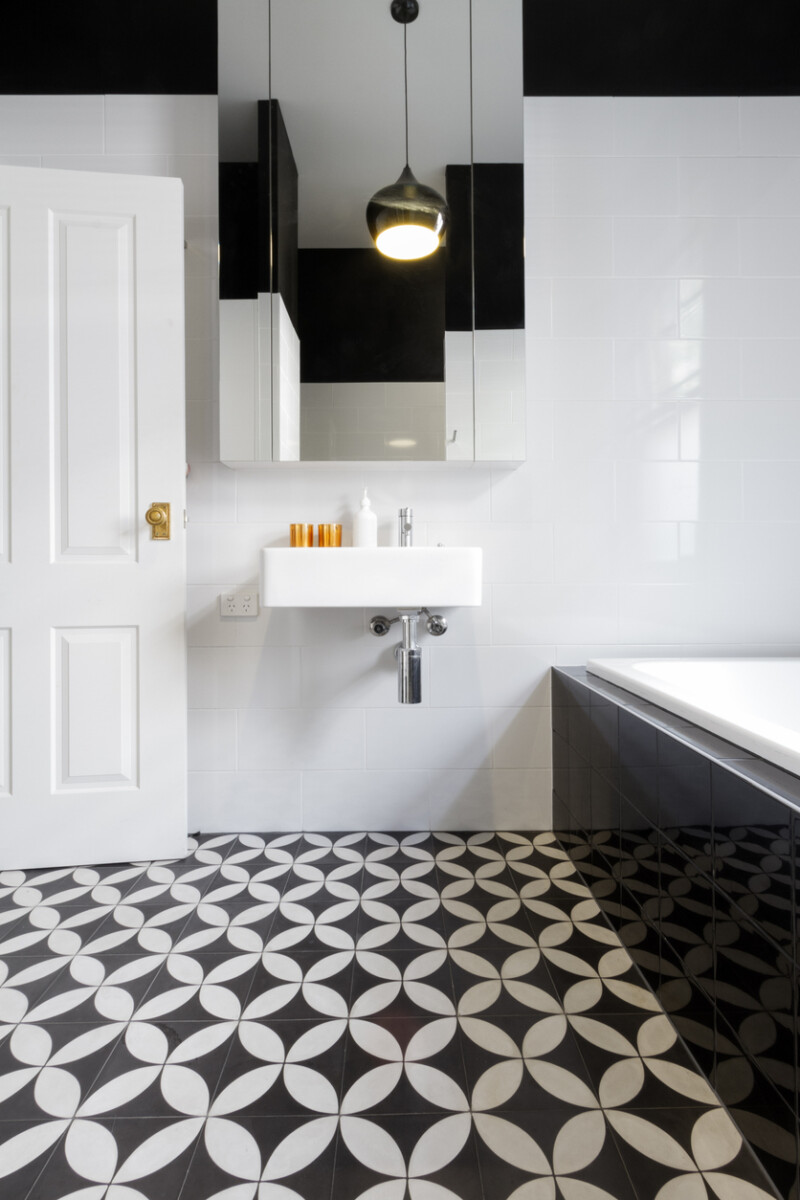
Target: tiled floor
{"type": "Point", "coordinates": [301, 1017]}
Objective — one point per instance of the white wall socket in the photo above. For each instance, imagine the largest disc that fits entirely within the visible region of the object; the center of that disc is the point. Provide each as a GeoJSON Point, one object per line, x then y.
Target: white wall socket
{"type": "Point", "coordinates": [241, 602]}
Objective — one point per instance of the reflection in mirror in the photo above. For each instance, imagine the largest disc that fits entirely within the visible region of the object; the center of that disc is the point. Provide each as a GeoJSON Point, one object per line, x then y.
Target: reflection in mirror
{"type": "Point", "coordinates": [329, 350]}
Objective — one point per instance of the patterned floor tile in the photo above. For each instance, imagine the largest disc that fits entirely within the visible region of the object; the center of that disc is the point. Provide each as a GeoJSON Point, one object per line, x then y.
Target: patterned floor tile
{"type": "Point", "coordinates": [353, 1017]}
{"type": "Point", "coordinates": [267, 1156]}
{"type": "Point", "coordinates": [404, 1065]}
{"type": "Point", "coordinates": [161, 1069]}
{"type": "Point", "coordinates": [435, 1154]}
{"type": "Point", "coordinates": [146, 1157]}
{"type": "Point", "coordinates": [677, 1151]}
{"type": "Point", "coordinates": [551, 1154]}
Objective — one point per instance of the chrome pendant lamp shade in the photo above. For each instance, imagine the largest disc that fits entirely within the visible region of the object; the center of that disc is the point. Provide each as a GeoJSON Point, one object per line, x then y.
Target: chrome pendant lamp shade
{"type": "Point", "coordinates": [407, 219]}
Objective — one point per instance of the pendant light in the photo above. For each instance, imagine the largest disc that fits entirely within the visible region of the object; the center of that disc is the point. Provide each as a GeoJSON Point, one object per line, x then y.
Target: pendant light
{"type": "Point", "coordinates": [407, 219]}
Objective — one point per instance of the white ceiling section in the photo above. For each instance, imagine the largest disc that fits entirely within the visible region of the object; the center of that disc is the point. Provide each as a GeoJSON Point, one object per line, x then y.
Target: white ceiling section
{"type": "Point", "coordinates": [337, 70]}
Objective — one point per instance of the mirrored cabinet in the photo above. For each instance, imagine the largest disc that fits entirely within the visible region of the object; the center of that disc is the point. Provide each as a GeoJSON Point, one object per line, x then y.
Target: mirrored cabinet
{"type": "Point", "coordinates": [329, 350]}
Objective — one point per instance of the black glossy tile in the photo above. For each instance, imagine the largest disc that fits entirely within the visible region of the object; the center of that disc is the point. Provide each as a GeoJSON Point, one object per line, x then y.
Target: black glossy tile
{"type": "Point", "coordinates": [773, 1135]}
{"type": "Point", "coordinates": [638, 764]}
{"type": "Point", "coordinates": [604, 755]}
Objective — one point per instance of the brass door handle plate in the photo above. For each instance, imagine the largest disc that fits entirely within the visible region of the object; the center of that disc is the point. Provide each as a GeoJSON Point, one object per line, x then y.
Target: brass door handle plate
{"type": "Point", "coordinates": [157, 517]}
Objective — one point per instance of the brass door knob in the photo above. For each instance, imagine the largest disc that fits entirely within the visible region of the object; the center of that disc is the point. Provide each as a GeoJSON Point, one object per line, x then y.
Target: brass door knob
{"type": "Point", "coordinates": [157, 517]}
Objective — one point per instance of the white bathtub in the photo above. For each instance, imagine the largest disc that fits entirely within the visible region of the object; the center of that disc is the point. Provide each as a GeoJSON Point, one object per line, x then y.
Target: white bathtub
{"type": "Point", "coordinates": [753, 702]}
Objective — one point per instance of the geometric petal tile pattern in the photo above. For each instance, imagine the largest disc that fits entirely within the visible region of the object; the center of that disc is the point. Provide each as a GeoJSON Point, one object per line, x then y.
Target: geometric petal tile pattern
{"type": "Point", "coordinates": [349, 1017]}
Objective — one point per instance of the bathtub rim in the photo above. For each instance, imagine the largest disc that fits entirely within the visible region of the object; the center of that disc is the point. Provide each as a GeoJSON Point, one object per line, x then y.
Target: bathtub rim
{"type": "Point", "coordinates": [779, 781]}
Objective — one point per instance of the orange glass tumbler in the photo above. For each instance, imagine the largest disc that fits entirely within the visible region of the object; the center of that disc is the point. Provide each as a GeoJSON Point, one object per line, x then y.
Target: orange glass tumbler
{"type": "Point", "coordinates": [301, 535]}
{"type": "Point", "coordinates": [329, 535]}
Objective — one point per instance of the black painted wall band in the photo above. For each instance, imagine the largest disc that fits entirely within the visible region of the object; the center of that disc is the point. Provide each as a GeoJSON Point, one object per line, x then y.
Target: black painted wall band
{"type": "Point", "coordinates": [103, 47]}
{"type": "Point", "coordinates": [680, 48]}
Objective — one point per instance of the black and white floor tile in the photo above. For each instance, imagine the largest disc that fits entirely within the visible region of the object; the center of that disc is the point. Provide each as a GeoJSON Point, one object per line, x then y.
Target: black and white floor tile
{"type": "Point", "coordinates": [352, 1017]}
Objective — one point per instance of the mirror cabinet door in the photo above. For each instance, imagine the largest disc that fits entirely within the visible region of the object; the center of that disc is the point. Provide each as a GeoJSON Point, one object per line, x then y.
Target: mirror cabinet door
{"type": "Point", "coordinates": [330, 351]}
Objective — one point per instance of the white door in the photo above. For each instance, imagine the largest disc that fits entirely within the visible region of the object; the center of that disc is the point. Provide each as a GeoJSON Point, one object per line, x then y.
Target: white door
{"type": "Point", "coordinates": [92, 658]}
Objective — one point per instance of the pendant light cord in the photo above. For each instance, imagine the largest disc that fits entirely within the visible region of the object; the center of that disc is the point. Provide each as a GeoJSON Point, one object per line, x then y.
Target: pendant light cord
{"type": "Point", "coordinates": [405, 80]}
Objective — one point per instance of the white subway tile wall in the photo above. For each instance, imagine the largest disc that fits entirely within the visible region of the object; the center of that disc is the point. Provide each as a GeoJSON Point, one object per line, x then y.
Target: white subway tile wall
{"type": "Point", "coordinates": [658, 511]}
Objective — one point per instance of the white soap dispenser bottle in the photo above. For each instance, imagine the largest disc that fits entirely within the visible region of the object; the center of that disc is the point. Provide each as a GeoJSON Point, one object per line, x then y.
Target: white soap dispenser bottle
{"type": "Point", "coordinates": [365, 524]}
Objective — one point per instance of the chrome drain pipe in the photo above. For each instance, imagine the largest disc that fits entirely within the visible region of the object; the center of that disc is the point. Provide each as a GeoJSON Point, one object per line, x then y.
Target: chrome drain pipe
{"type": "Point", "coordinates": [409, 653]}
{"type": "Point", "coordinates": [409, 662]}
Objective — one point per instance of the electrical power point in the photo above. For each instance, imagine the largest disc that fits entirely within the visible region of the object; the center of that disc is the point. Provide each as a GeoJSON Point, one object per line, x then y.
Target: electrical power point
{"type": "Point", "coordinates": [243, 602]}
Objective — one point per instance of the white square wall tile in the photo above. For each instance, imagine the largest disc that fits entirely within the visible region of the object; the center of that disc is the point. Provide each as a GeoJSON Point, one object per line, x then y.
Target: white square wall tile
{"type": "Point", "coordinates": [770, 245]}
{"type": "Point", "coordinates": [236, 802]}
{"type": "Point", "coordinates": [772, 491]}
{"type": "Point", "coordinates": [770, 125]}
{"type": "Point", "coordinates": [676, 369]}
{"type": "Point", "coordinates": [603, 308]}
{"type": "Point", "coordinates": [212, 740]}
{"type": "Point", "coordinates": [441, 737]}
{"type": "Point", "coordinates": [489, 676]}
{"type": "Point", "coordinates": [523, 738]}
{"type": "Point", "coordinates": [745, 308]}
{"type": "Point", "coordinates": [570, 368]}
{"type": "Point", "coordinates": [568, 125]}
{"type": "Point", "coordinates": [226, 553]}
{"type": "Point", "coordinates": [535, 613]}
{"type": "Point", "coordinates": [609, 187]}
{"type": "Point", "coordinates": [675, 246]}
{"type": "Point", "coordinates": [200, 176]}
{"type": "Point", "coordinates": [52, 125]}
{"type": "Point", "coordinates": [585, 552]}
{"type": "Point", "coordinates": [353, 672]}
{"type": "Point", "coordinates": [211, 493]}
{"type": "Point", "coordinates": [164, 124]}
{"type": "Point", "coordinates": [676, 125]}
{"type": "Point", "coordinates": [300, 739]}
{"type": "Point", "coordinates": [512, 551]}
{"type": "Point", "coordinates": [499, 799]}
{"type": "Point", "coordinates": [751, 187]}
{"type": "Point", "coordinates": [643, 430]}
{"type": "Point", "coordinates": [679, 491]}
{"type": "Point", "coordinates": [568, 246]}
{"type": "Point", "coordinates": [583, 490]}
{"type": "Point", "coordinates": [765, 429]}
{"type": "Point", "coordinates": [649, 552]}
{"type": "Point", "coordinates": [372, 800]}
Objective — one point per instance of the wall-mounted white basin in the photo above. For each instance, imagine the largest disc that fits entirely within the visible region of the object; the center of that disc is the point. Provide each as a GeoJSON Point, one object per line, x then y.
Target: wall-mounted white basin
{"type": "Point", "coordinates": [386, 576]}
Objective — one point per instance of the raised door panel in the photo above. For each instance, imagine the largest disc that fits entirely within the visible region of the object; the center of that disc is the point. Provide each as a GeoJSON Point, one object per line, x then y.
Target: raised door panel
{"type": "Point", "coordinates": [93, 379]}
{"type": "Point", "coordinates": [95, 709]}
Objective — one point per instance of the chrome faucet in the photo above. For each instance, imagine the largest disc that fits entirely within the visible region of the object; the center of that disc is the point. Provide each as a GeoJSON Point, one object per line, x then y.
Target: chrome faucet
{"type": "Point", "coordinates": [405, 527]}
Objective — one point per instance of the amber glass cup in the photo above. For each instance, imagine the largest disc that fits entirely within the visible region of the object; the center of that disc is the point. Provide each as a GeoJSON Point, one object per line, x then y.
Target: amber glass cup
{"type": "Point", "coordinates": [301, 535]}
{"type": "Point", "coordinates": [329, 535]}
